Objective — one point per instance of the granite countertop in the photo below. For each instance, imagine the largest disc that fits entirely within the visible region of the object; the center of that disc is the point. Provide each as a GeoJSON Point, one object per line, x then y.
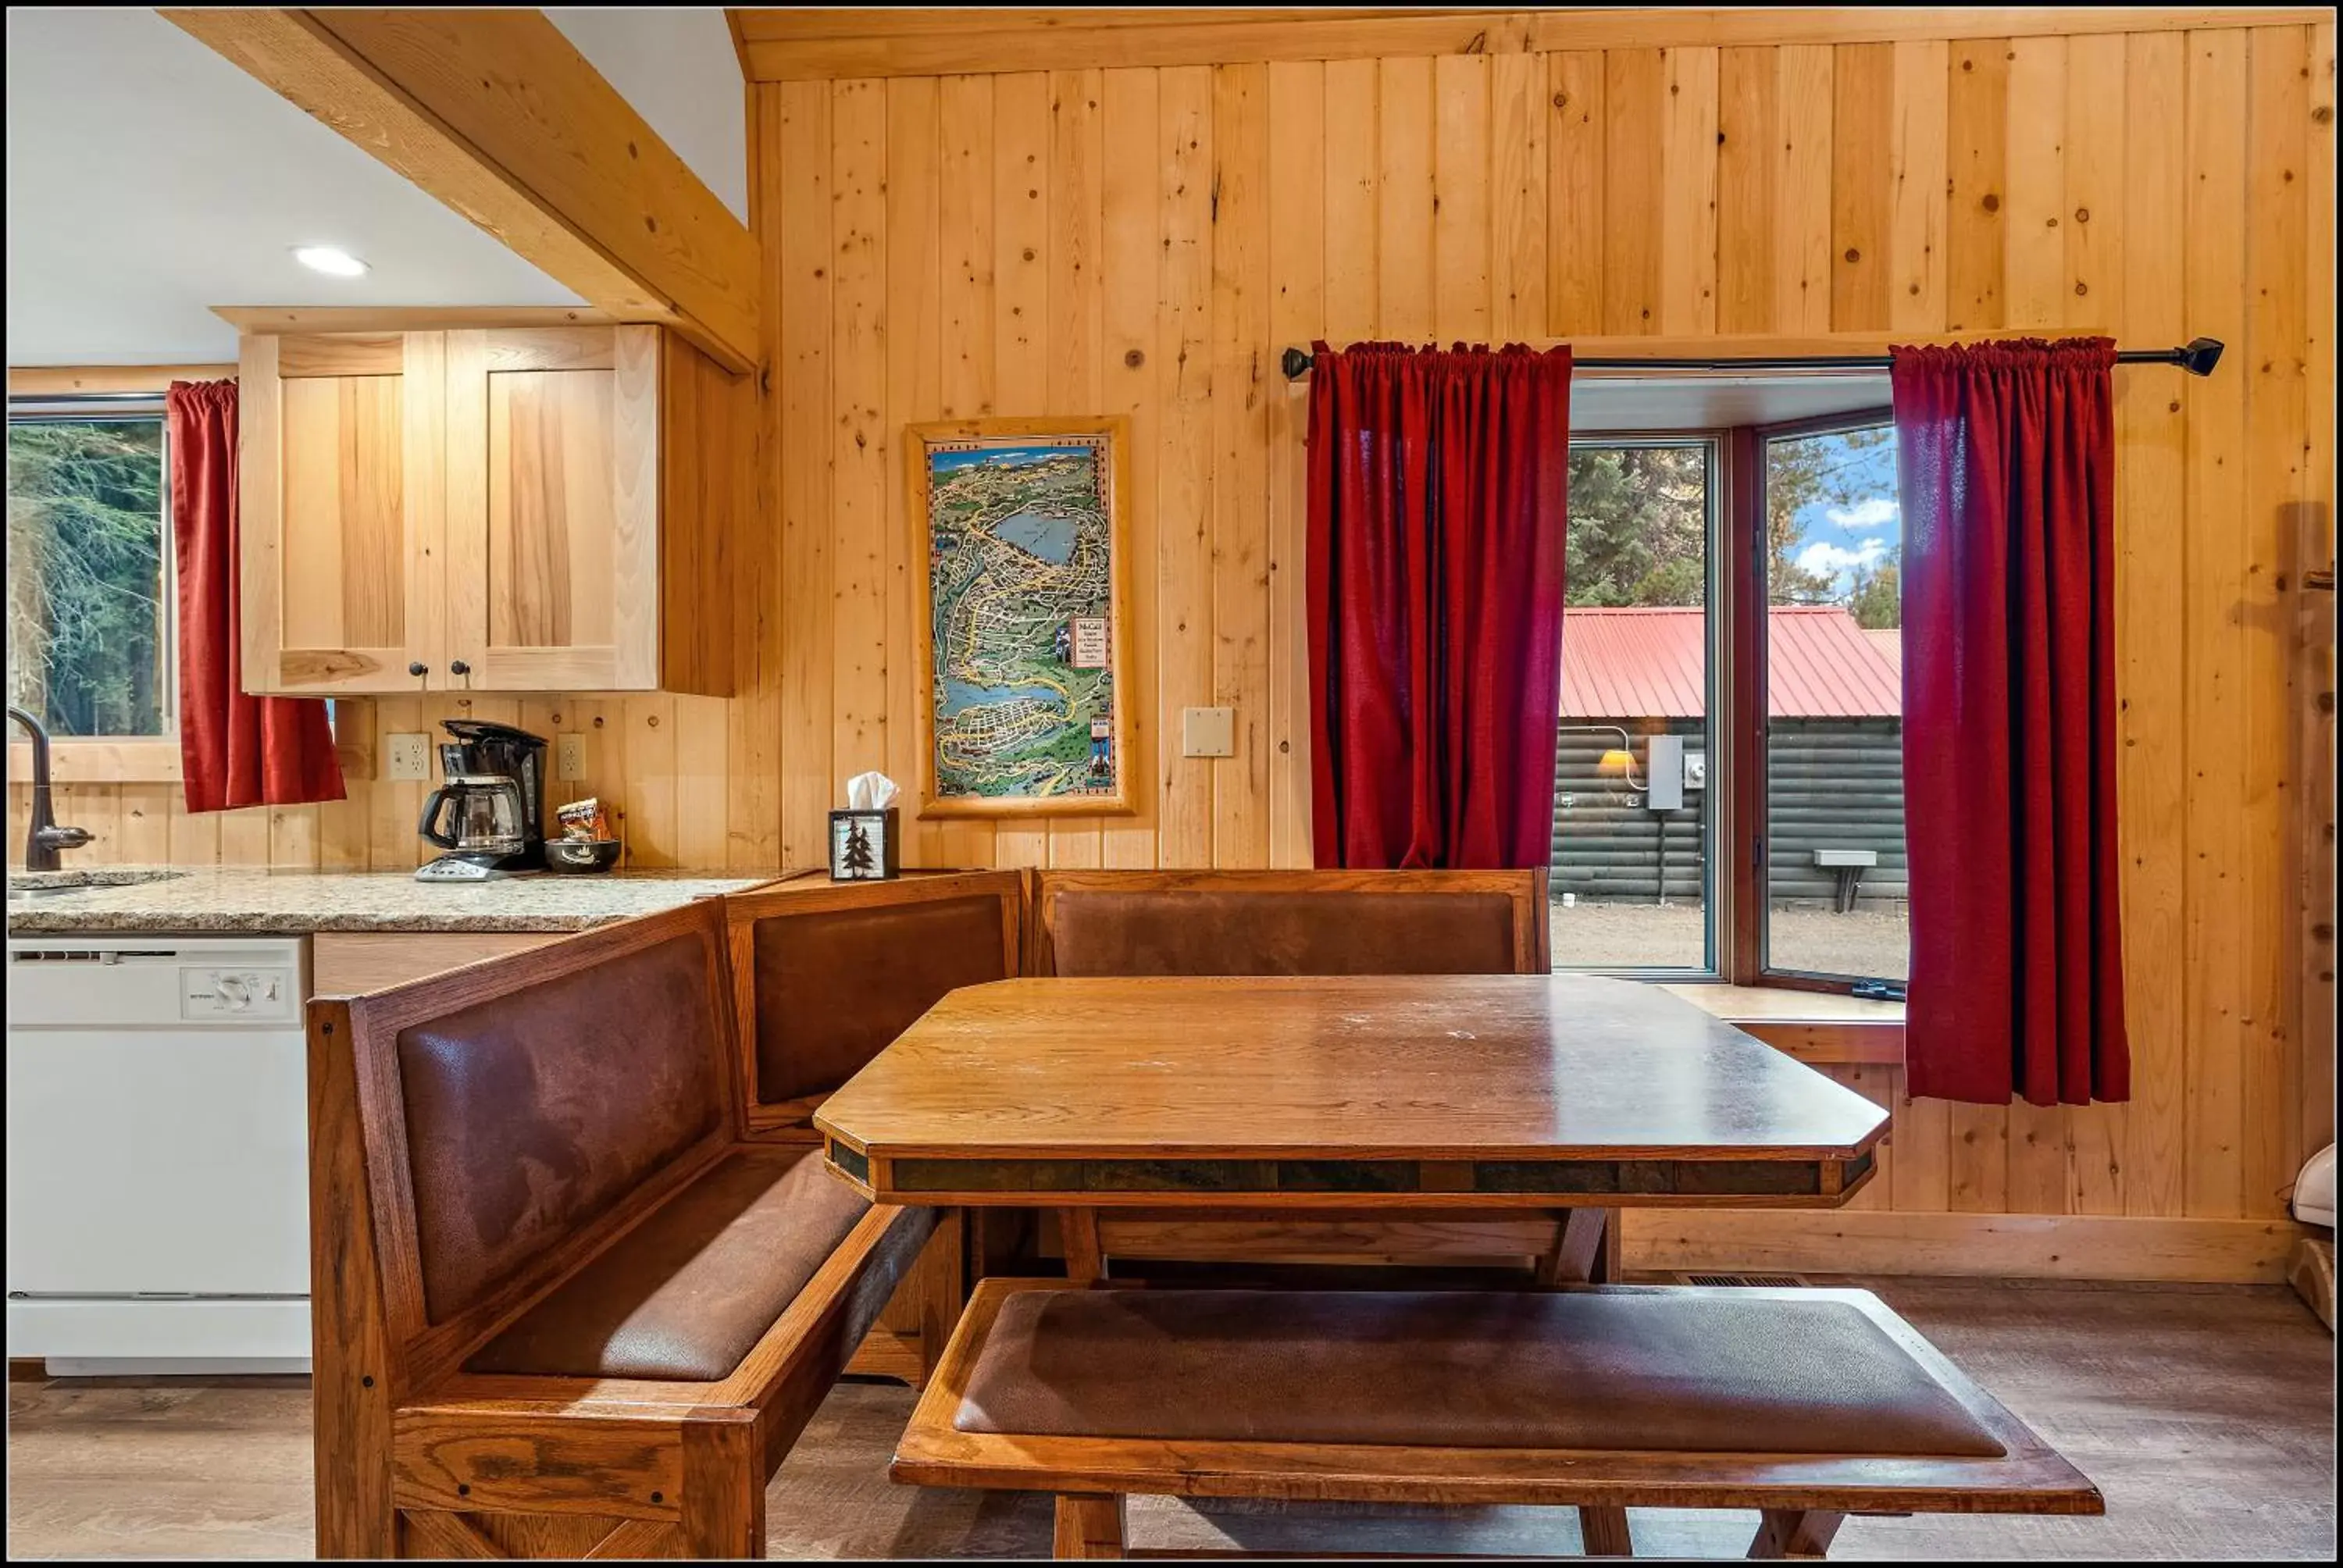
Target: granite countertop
{"type": "Point", "coordinates": [290, 903]}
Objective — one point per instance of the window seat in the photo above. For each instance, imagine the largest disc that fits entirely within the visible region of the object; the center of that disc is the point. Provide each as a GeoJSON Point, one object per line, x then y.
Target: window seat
{"type": "Point", "coordinates": [1816, 1027]}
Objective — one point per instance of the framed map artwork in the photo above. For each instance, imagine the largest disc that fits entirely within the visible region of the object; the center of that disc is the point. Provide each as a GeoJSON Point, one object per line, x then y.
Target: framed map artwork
{"type": "Point", "coordinates": [1019, 575]}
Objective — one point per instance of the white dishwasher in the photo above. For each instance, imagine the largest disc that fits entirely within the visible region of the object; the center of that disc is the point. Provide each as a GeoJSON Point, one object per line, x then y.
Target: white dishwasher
{"type": "Point", "coordinates": [159, 1181]}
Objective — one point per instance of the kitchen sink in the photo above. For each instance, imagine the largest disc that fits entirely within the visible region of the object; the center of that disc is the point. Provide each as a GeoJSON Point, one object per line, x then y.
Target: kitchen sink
{"type": "Point", "coordinates": [23, 885]}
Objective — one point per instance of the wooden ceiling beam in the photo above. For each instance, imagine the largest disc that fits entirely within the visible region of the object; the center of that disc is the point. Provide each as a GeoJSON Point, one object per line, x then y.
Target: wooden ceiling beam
{"type": "Point", "coordinates": [814, 45]}
{"type": "Point", "coordinates": [496, 114]}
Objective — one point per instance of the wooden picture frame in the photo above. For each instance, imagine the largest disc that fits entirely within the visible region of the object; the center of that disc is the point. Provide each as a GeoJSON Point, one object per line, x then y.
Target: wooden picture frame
{"type": "Point", "coordinates": [946, 791]}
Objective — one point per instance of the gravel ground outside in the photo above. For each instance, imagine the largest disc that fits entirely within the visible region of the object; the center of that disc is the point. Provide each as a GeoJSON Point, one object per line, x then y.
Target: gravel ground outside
{"type": "Point", "coordinates": [1621, 936]}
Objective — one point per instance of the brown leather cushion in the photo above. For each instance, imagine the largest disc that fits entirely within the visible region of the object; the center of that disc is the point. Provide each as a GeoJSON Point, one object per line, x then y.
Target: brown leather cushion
{"type": "Point", "coordinates": [686, 1292]}
{"type": "Point", "coordinates": [836, 987]}
{"type": "Point", "coordinates": [1281, 932]}
{"type": "Point", "coordinates": [1678, 1370]}
{"type": "Point", "coordinates": [530, 1115]}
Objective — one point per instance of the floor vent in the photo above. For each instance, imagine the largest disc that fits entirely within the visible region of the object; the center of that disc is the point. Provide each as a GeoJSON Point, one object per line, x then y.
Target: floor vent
{"type": "Point", "coordinates": [1777, 1281]}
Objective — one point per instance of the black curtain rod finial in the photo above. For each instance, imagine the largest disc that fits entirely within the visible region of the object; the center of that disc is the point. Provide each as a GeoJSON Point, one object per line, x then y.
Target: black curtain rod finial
{"type": "Point", "coordinates": [2201, 355]}
{"type": "Point", "coordinates": [1296, 363]}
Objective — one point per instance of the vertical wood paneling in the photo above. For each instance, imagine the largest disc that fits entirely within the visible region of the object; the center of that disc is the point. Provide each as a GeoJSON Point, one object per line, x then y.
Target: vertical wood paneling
{"type": "Point", "coordinates": [914, 343]}
{"type": "Point", "coordinates": [1353, 100]}
{"type": "Point", "coordinates": [1918, 170]}
{"type": "Point", "coordinates": [1802, 221]}
{"type": "Point", "coordinates": [1241, 388]}
{"type": "Point", "coordinates": [1635, 92]}
{"type": "Point", "coordinates": [1183, 482]}
{"type": "Point", "coordinates": [808, 782]}
{"type": "Point", "coordinates": [2035, 260]}
{"type": "Point", "coordinates": [2092, 219]}
{"type": "Point", "coordinates": [1577, 165]}
{"type": "Point", "coordinates": [2217, 917]}
{"type": "Point", "coordinates": [1977, 1137]}
{"type": "Point", "coordinates": [1461, 185]}
{"type": "Point", "coordinates": [2277, 325]}
{"type": "Point", "coordinates": [2033, 266]}
{"type": "Point", "coordinates": [1862, 131]}
{"type": "Point", "coordinates": [1404, 219]}
{"type": "Point", "coordinates": [1688, 173]}
{"type": "Point", "coordinates": [753, 716]}
{"type": "Point", "coordinates": [1747, 153]}
{"type": "Point", "coordinates": [1077, 343]}
{"type": "Point", "coordinates": [1131, 240]}
{"type": "Point", "coordinates": [1518, 113]}
{"type": "Point", "coordinates": [965, 198]}
{"type": "Point", "coordinates": [2314, 839]}
{"type": "Point", "coordinates": [1297, 313]}
{"type": "Point", "coordinates": [1976, 138]}
{"type": "Point", "coordinates": [862, 462]}
{"type": "Point", "coordinates": [2150, 435]}
{"type": "Point", "coordinates": [1020, 317]}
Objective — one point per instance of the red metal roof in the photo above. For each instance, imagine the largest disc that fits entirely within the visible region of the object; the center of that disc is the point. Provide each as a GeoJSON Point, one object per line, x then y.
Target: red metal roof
{"type": "Point", "coordinates": [1649, 663]}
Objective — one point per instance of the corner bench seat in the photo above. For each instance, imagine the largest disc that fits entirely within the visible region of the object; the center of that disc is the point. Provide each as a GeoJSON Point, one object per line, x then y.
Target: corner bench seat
{"type": "Point", "coordinates": [685, 1294]}
{"type": "Point", "coordinates": [1806, 1404]}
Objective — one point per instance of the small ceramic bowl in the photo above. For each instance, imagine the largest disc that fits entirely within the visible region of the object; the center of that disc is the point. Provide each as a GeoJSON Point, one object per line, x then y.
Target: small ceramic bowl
{"type": "Point", "coordinates": [580, 855]}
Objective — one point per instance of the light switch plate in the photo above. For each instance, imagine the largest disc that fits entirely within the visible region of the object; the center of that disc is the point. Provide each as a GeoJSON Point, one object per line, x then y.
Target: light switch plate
{"type": "Point", "coordinates": [570, 758]}
{"type": "Point", "coordinates": [1208, 732]}
{"type": "Point", "coordinates": [405, 757]}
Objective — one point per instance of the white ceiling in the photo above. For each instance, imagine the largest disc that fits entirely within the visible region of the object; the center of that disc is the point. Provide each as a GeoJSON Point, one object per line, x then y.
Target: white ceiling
{"type": "Point", "coordinates": [149, 180]}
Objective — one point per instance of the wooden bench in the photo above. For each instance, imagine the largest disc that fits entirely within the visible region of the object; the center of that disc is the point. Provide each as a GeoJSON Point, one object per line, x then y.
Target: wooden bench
{"type": "Point", "coordinates": [1600, 1397]}
{"type": "Point", "coordinates": [563, 1304]}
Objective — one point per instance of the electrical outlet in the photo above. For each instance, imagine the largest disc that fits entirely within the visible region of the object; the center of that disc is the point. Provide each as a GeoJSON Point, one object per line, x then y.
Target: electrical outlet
{"type": "Point", "coordinates": [570, 758]}
{"type": "Point", "coordinates": [1208, 732]}
{"type": "Point", "coordinates": [405, 757]}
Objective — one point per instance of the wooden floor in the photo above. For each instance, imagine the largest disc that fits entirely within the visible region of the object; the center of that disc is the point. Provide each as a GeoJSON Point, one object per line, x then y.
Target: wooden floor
{"type": "Point", "coordinates": [2204, 1414]}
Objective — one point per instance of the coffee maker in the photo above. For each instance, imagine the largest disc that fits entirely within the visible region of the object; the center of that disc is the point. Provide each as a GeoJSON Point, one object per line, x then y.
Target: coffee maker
{"type": "Point", "coordinates": [490, 814]}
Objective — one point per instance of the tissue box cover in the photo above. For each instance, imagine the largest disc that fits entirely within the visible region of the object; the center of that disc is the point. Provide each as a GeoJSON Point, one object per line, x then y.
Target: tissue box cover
{"type": "Point", "coordinates": [865, 845]}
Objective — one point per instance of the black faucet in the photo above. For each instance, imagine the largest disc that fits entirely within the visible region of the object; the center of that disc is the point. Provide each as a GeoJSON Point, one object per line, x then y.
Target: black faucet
{"type": "Point", "coordinates": [42, 844]}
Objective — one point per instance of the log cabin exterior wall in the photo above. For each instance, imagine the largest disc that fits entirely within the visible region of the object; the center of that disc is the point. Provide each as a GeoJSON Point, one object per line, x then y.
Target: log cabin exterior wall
{"type": "Point", "coordinates": [1143, 239]}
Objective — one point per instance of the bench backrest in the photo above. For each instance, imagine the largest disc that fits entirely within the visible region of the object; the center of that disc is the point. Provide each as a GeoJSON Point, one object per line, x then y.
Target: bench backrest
{"type": "Point", "coordinates": [826, 975]}
{"type": "Point", "coordinates": [514, 1112]}
{"type": "Point", "coordinates": [1135, 923]}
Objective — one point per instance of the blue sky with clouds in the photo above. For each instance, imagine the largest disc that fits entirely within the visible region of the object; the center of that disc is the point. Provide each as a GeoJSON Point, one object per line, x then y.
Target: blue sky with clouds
{"type": "Point", "coordinates": [1837, 539]}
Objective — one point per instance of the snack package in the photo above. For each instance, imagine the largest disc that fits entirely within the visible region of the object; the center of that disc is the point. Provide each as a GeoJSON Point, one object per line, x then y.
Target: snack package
{"type": "Point", "coordinates": [583, 819]}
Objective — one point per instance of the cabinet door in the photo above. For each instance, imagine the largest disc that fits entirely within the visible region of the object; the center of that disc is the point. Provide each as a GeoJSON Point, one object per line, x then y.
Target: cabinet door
{"type": "Point", "coordinates": [553, 566]}
{"type": "Point", "coordinates": [340, 490]}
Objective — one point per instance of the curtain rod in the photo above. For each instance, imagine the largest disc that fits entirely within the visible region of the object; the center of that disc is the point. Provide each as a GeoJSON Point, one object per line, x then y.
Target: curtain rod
{"type": "Point", "coordinates": [2197, 357]}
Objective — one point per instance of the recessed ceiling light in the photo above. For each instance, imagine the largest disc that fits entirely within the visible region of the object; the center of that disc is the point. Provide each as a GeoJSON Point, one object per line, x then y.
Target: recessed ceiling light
{"type": "Point", "coordinates": [329, 259]}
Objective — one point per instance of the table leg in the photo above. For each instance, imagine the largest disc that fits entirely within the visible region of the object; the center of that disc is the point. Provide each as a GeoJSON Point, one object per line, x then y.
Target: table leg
{"type": "Point", "coordinates": [1089, 1524]}
{"type": "Point", "coordinates": [1585, 1250]}
{"type": "Point", "coordinates": [1796, 1532]}
{"type": "Point", "coordinates": [1078, 1233]}
{"type": "Point", "coordinates": [1603, 1533]}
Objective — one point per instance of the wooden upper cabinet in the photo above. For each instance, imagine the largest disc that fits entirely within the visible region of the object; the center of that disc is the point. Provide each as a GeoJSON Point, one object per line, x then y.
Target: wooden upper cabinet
{"type": "Point", "coordinates": [523, 509]}
{"type": "Point", "coordinates": [340, 510]}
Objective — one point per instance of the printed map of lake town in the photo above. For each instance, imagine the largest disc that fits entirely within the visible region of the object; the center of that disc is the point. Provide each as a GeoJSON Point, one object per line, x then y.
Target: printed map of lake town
{"type": "Point", "coordinates": [1019, 589]}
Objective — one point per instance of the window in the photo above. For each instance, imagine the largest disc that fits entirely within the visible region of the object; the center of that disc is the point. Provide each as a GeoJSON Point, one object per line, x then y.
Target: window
{"type": "Point", "coordinates": [1633, 830]}
{"type": "Point", "coordinates": [89, 597]}
{"type": "Point", "coordinates": [1835, 905]}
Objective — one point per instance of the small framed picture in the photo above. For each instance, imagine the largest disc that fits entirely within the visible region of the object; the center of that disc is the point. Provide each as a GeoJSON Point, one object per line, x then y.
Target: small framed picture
{"type": "Point", "coordinates": [864, 846]}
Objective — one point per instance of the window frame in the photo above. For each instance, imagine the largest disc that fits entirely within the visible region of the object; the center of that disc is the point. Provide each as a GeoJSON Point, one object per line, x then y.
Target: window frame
{"type": "Point", "coordinates": [1751, 728]}
{"type": "Point", "coordinates": [1718, 927]}
{"type": "Point", "coordinates": [118, 758]}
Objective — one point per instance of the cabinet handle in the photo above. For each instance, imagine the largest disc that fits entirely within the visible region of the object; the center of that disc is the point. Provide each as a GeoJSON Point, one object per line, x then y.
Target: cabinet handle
{"type": "Point", "coordinates": [418, 669]}
{"type": "Point", "coordinates": [457, 667]}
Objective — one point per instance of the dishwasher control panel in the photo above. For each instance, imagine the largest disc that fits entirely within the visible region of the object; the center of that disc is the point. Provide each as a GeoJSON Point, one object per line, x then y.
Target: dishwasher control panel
{"type": "Point", "coordinates": [261, 995]}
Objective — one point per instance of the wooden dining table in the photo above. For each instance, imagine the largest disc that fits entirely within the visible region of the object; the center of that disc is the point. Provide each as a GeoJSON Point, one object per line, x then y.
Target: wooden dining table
{"type": "Point", "coordinates": [1462, 1094]}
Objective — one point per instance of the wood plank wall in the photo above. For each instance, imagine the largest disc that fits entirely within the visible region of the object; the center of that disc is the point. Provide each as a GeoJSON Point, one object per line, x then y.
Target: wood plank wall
{"type": "Point", "coordinates": [1144, 240]}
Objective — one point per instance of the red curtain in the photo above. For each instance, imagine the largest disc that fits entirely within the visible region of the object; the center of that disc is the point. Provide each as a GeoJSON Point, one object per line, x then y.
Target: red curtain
{"type": "Point", "coordinates": [1437, 484]}
{"type": "Point", "coordinates": [235, 750]}
{"type": "Point", "coordinates": [2006, 453]}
